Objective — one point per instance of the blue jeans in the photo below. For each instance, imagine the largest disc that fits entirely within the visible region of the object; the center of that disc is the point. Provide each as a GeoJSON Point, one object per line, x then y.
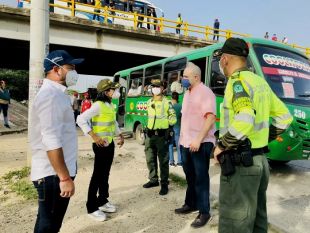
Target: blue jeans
{"type": "Point", "coordinates": [196, 169]}
{"type": "Point", "coordinates": [52, 207]}
{"type": "Point", "coordinates": [176, 140]}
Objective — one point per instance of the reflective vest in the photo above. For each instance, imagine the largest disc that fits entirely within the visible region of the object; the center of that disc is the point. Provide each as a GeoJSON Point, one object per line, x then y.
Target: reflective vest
{"type": "Point", "coordinates": [248, 105]}
{"type": "Point", "coordinates": [103, 124]}
{"type": "Point", "coordinates": [179, 21]}
{"type": "Point", "coordinates": [161, 114]}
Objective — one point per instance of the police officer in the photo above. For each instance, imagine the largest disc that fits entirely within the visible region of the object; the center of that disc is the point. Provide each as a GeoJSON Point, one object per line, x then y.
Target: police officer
{"type": "Point", "coordinates": [248, 104]}
{"type": "Point", "coordinates": [161, 116]}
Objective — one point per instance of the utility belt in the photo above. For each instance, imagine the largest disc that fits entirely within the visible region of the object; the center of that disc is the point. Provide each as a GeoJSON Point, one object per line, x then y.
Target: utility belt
{"type": "Point", "coordinates": [242, 156]}
{"type": "Point", "coordinates": [167, 133]}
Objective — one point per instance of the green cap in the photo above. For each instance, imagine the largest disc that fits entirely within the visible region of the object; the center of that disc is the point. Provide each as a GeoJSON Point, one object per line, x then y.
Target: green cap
{"type": "Point", "coordinates": [107, 84]}
{"type": "Point", "coordinates": [157, 83]}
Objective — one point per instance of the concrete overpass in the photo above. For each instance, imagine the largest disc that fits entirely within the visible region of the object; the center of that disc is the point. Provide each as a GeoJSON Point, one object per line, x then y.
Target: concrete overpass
{"type": "Point", "coordinates": [106, 47]}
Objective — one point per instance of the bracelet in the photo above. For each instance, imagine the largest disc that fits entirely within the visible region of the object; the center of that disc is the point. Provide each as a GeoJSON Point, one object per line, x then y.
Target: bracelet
{"type": "Point", "coordinates": [66, 179]}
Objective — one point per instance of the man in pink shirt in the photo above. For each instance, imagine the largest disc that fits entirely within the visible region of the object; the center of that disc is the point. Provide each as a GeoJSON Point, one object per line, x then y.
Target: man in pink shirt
{"type": "Point", "coordinates": [197, 141]}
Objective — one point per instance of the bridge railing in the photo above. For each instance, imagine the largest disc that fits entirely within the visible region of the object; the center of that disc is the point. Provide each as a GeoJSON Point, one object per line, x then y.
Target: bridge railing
{"type": "Point", "coordinates": [160, 24]}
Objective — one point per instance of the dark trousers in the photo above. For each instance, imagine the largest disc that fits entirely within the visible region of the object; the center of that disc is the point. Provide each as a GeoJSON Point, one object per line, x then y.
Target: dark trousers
{"type": "Point", "coordinates": [4, 108]}
{"type": "Point", "coordinates": [99, 183]}
{"type": "Point", "coordinates": [196, 169]}
{"type": "Point", "coordinates": [96, 15]}
{"type": "Point", "coordinates": [157, 147]}
{"type": "Point", "coordinates": [52, 207]}
{"type": "Point", "coordinates": [216, 35]}
{"type": "Point", "coordinates": [178, 29]}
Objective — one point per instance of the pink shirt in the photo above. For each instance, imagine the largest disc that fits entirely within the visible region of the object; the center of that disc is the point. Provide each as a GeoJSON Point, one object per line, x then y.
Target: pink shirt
{"type": "Point", "coordinates": [197, 102]}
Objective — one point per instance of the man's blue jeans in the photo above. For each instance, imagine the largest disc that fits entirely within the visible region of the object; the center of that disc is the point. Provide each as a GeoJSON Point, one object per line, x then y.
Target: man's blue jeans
{"type": "Point", "coordinates": [52, 207]}
{"type": "Point", "coordinates": [196, 169]}
{"type": "Point", "coordinates": [175, 139]}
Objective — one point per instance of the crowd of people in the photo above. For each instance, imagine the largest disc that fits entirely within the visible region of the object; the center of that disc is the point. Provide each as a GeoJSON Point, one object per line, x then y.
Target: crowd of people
{"type": "Point", "coordinates": [240, 148]}
{"type": "Point", "coordinates": [275, 38]}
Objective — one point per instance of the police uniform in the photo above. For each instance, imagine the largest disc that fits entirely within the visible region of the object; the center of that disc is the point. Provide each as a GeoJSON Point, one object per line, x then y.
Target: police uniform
{"type": "Point", "coordinates": [161, 116]}
{"type": "Point", "coordinates": [248, 104]}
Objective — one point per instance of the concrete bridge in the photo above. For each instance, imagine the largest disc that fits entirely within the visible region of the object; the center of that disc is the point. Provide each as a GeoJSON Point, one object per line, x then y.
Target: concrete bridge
{"type": "Point", "coordinates": [106, 47]}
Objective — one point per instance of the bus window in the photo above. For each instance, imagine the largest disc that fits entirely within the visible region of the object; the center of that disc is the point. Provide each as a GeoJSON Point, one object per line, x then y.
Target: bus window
{"type": "Point", "coordinates": [201, 63]}
{"type": "Point", "coordinates": [172, 74]}
{"type": "Point", "coordinates": [135, 83]}
{"type": "Point", "coordinates": [152, 72]}
{"type": "Point", "coordinates": [217, 80]}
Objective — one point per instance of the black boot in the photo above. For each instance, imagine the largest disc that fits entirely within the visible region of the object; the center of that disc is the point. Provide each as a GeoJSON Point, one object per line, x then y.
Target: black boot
{"type": "Point", "coordinates": [150, 184]}
{"type": "Point", "coordinates": [163, 189]}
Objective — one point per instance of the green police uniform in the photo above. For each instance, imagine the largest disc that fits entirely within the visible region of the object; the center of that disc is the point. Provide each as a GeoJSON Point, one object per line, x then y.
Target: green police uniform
{"type": "Point", "coordinates": [248, 104]}
{"type": "Point", "coordinates": [161, 116]}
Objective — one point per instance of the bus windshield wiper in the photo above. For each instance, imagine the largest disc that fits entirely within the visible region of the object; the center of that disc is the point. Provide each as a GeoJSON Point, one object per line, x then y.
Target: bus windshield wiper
{"type": "Point", "coordinates": [306, 95]}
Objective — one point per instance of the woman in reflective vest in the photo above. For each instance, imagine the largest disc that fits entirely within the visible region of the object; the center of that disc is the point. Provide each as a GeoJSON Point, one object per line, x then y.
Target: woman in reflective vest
{"type": "Point", "coordinates": [103, 129]}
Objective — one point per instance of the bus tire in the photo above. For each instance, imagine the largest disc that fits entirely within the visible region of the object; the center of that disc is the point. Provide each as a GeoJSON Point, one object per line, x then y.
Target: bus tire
{"type": "Point", "coordinates": [277, 162]}
{"type": "Point", "coordinates": [139, 134]}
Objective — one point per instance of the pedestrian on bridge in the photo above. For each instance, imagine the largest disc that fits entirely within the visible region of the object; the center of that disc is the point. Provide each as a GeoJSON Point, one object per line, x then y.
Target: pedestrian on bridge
{"type": "Point", "coordinates": [97, 10]}
{"type": "Point", "coordinates": [161, 117]}
{"type": "Point", "coordinates": [197, 141]}
{"type": "Point", "coordinates": [53, 141]}
{"type": "Point", "coordinates": [216, 27]}
{"type": "Point", "coordinates": [244, 130]}
{"type": "Point", "coordinates": [103, 129]}
{"type": "Point", "coordinates": [179, 24]}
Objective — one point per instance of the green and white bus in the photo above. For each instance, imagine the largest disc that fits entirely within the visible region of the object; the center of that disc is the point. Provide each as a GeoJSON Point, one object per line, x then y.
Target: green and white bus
{"type": "Point", "coordinates": [286, 70]}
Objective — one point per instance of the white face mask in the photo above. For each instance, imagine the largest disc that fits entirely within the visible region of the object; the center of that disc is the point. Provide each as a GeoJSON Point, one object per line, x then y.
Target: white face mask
{"type": "Point", "coordinates": [71, 78]}
{"type": "Point", "coordinates": [156, 90]}
{"type": "Point", "coordinates": [221, 69]}
{"type": "Point", "coordinates": [116, 94]}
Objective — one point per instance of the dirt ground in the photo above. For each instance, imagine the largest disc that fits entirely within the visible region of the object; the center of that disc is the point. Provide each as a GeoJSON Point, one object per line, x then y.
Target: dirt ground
{"type": "Point", "coordinates": [139, 210]}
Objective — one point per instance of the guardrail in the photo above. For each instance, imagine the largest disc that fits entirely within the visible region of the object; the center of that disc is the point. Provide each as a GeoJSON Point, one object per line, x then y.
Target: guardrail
{"type": "Point", "coordinates": [160, 24]}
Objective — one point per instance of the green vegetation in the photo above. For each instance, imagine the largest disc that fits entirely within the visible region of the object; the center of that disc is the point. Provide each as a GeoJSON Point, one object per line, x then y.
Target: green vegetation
{"type": "Point", "coordinates": [16, 82]}
{"type": "Point", "coordinates": [18, 182]}
{"type": "Point", "coordinates": [177, 179]}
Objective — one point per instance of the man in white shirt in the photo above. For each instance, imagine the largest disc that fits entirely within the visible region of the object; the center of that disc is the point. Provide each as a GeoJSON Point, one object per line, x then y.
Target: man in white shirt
{"type": "Point", "coordinates": [53, 141]}
{"type": "Point", "coordinates": [176, 86]}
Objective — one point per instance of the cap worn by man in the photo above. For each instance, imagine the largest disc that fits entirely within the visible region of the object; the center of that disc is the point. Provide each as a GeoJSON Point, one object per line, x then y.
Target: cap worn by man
{"type": "Point", "coordinates": [235, 46]}
{"type": "Point", "coordinates": [107, 84]}
{"type": "Point", "coordinates": [157, 83]}
{"type": "Point", "coordinates": [60, 58]}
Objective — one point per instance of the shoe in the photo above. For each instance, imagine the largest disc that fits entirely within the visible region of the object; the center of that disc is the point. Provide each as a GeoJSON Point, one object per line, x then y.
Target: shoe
{"type": "Point", "coordinates": [163, 189]}
{"type": "Point", "coordinates": [6, 125]}
{"type": "Point", "coordinates": [150, 184]}
{"type": "Point", "coordinates": [179, 164]}
{"type": "Point", "coordinates": [108, 208]}
{"type": "Point", "coordinates": [172, 164]}
{"type": "Point", "coordinates": [185, 209]}
{"type": "Point", "coordinates": [98, 215]}
{"type": "Point", "coordinates": [201, 220]}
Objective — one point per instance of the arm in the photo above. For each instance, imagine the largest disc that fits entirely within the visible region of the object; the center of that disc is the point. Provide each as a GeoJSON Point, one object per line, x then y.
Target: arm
{"type": "Point", "coordinates": [172, 118]}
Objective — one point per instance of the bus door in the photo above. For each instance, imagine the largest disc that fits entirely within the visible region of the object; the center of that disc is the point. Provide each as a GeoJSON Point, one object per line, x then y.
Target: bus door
{"type": "Point", "coordinates": [122, 99]}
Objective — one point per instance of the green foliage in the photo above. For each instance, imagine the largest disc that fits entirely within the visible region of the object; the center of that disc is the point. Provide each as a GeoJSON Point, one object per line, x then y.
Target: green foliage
{"type": "Point", "coordinates": [19, 174]}
{"type": "Point", "coordinates": [18, 181]}
{"type": "Point", "coordinates": [178, 180]}
{"type": "Point", "coordinates": [17, 81]}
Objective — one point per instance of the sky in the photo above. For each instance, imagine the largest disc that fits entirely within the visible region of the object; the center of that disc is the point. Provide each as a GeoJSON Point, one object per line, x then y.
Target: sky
{"type": "Point", "coordinates": [288, 18]}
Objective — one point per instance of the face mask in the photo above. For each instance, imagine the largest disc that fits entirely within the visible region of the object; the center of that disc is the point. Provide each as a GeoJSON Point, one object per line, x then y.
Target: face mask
{"type": "Point", "coordinates": [221, 68]}
{"type": "Point", "coordinates": [71, 78]}
{"type": "Point", "coordinates": [156, 90]}
{"type": "Point", "coordinates": [116, 95]}
{"type": "Point", "coordinates": [186, 83]}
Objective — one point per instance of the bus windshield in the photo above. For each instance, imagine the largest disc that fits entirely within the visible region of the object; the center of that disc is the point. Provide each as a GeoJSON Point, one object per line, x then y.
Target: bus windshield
{"type": "Point", "coordinates": [287, 73]}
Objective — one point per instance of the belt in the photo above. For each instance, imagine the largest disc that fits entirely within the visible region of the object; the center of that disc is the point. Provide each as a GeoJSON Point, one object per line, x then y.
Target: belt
{"type": "Point", "coordinates": [156, 132]}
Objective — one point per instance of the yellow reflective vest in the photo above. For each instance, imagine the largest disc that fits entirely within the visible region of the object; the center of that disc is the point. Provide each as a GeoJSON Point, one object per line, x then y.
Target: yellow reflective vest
{"type": "Point", "coordinates": [104, 124]}
{"type": "Point", "coordinates": [160, 113]}
{"type": "Point", "coordinates": [248, 105]}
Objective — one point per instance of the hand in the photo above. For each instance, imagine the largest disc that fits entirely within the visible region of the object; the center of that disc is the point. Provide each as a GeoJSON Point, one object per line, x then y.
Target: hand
{"type": "Point", "coordinates": [67, 188]}
{"type": "Point", "coordinates": [101, 142]}
{"type": "Point", "coordinates": [120, 140]}
{"type": "Point", "coordinates": [195, 145]}
{"type": "Point", "coordinates": [216, 153]}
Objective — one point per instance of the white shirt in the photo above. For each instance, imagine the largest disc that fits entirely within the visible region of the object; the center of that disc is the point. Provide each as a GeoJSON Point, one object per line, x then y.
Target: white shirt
{"type": "Point", "coordinates": [52, 127]}
{"type": "Point", "coordinates": [176, 87]}
{"type": "Point", "coordinates": [84, 118]}
{"type": "Point", "coordinates": [135, 91]}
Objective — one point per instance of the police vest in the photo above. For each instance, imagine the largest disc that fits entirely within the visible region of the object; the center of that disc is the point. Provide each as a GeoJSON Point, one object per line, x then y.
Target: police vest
{"type": "Point", "coordinates": [104, 124]}
{"type": "Point", "coordinates": [248, 105]}
{"type": "Point", "coordinates": [160, 114]}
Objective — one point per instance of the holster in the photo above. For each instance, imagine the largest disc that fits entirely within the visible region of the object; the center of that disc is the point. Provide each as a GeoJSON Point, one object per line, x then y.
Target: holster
{"type": "Point", "coordinates": [226, 163]}
{"type": "Point", "coordinates": [169, 134]}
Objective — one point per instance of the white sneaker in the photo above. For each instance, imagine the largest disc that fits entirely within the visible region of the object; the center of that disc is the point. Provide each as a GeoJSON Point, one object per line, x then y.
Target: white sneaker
{"type": "Point", "coordinates": [108, 207]}
{"type": "Point", "coordinates": [98, 215]}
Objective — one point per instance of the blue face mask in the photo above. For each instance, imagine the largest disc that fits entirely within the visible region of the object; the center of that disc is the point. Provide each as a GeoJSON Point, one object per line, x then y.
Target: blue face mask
{"type": "Point", "coordinates": [186, 83]}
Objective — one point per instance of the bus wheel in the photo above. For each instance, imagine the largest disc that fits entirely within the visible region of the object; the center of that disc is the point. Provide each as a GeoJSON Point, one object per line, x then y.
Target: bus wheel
{"type": "Point", "coordinates": [277, 162]}
{"type": "Point", "coordinates": [139, 134]}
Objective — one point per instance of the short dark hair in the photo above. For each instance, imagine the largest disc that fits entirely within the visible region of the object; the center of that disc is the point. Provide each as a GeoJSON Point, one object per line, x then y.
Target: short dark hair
{"type": "Point", "coordinates": [175, 96]}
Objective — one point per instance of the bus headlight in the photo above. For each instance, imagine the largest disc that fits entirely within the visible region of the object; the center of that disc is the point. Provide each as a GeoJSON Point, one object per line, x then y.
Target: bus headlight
{"type": "Point", "coordinates": [292, 133]}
